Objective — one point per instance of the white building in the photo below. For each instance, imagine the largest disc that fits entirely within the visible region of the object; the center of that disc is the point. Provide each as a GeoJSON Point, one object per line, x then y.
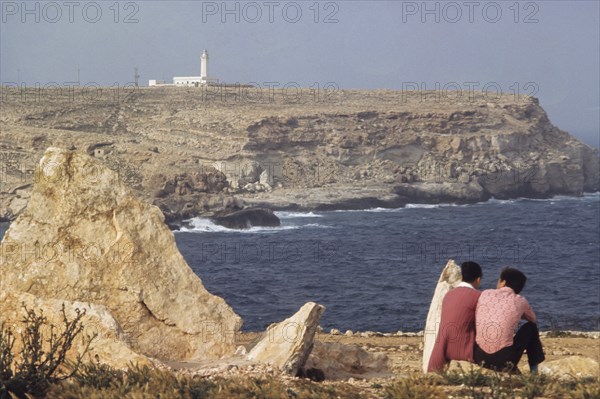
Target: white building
{"type": "Point", "coordinates": [191, 81]}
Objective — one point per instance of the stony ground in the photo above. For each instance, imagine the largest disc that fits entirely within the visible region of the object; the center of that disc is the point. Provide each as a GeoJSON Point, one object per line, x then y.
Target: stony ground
{"type": "Point", "coordinates": [404, 351]}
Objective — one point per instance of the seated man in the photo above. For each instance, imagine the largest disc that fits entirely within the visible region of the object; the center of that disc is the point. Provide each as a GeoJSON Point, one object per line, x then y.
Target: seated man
{"type": "Point", "coordinates": [456, 335]}
{"type": "Point", "coordinates": [498, 313]}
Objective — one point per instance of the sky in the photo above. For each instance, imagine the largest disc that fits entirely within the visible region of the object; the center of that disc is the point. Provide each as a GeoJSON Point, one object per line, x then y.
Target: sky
{"type": "Point", "coordinates": [550, 49]}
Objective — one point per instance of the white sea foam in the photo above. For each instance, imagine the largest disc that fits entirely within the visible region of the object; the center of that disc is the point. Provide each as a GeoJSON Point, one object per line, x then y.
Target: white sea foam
{"type": "Point", "coordinates": [499, 201]}
{"type": "Point", "coordinates": [556, 198]}
{"type": "Point", "coordinates": [321, 226]}
{"type": "Point", "coordinates": [296, 215]}
{"type": "Point", "coordinates": [203, 225]}
{"type": "Point", "coordinates": [424, 206]}
{"type": "Point", "coordinates": [374, 210]}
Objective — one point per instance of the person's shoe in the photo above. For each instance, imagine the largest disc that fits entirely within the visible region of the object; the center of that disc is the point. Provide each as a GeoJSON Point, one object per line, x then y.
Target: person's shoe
{"type": "Point", "coordinates": [533, 368]}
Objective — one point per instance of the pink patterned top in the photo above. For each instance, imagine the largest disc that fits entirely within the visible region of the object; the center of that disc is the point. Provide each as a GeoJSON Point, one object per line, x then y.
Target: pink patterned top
{"type": "Point", "coordinates": [497, 317]}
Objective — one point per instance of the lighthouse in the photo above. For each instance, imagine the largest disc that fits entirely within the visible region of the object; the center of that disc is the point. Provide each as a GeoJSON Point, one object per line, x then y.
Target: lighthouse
{"type": "Point", "coordinates": [204, 66]}
{"type": "Point", "coordinates": [191, 81]}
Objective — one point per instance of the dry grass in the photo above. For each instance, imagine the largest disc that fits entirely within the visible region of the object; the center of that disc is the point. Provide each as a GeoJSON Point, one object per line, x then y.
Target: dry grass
{"type": "Point", "coordinates": [95, 381]}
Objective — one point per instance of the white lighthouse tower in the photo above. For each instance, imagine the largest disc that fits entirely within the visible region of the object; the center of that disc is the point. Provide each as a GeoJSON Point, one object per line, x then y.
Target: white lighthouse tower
{"type": "Point", "coordinates": [191, 81]}
{"type": "Point", "coordinates": [204, 67]}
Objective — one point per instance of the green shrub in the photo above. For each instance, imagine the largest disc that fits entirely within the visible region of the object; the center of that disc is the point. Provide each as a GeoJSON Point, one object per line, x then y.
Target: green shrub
{"type": "Point", "coordinates": [533, 385]}
{"type": "Point", "coordinates": [95, 381]}
{"type": "Point", "coordinates": [7, 343]}
{"type": "Point", "coordinates": [97, 375]}
{"type": "Point", "coordinates": [43, 359]}
{"type": "Point", "coordinates": [585, 389]}
{"type": "Point", "coordinates": [423, 387]}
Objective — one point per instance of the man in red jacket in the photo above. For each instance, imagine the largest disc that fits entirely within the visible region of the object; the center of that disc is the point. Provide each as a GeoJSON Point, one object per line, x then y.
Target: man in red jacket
{"type": "Point", "coordinates": [456, 335]}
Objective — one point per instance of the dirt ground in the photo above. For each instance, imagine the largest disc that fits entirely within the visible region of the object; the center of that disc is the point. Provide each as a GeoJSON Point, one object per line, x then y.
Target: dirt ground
{"type": "Point", "coordinates": [405, 352]}
{"type": "Point", "coordinates": [405, 356]}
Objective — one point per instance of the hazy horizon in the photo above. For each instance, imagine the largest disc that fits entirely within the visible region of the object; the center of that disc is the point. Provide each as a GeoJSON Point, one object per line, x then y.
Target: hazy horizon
{"type": "Point", "coordinates": [548, 49]}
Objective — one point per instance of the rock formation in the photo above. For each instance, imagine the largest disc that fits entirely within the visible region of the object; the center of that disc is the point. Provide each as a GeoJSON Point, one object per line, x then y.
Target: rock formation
{"type": "Point", "coordinates": [287, 345]}
{"type": "Point", "coordinates": [449, 279]}
{"type": "Point", "coordinates": [572, 367]}
{"type": "Point", "coordinates": [356, 149]}
{"type": "Point", "coordinates": [85, 237]}
{"type": "Point", "coordinates": [246, 218]}
{"type": "Point", "coordinates": [339, 361]}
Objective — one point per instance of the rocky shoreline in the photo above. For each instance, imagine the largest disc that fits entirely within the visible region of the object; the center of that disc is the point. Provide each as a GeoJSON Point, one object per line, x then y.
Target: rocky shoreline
{"type": "Point", "coordinates": [196, 156]}
{"type": "Point", "coordinates": [87, 249]}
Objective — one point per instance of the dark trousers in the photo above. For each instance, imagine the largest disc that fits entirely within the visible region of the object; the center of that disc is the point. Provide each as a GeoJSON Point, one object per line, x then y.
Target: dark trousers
{"type": "Point", "coordinates": [526, 339]}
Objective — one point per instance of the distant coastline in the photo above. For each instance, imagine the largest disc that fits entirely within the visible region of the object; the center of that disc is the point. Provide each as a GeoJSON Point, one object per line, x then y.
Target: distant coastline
{"type": "Point", "coordinates": [199, 155]}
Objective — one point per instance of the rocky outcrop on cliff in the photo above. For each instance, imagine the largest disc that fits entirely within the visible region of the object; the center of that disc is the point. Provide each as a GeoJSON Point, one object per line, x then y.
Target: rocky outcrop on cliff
{"type": "Point", "coordinates": [85, 238]}
{"type": "Point", "coordinates": [287, 345]}
{"type": "Point", "coordinates": [190, 154]}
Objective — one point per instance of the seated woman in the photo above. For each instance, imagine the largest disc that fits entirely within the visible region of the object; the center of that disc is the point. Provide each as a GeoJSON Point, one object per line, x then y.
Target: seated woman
{"type": "Point", "coordinates": [456, 335]}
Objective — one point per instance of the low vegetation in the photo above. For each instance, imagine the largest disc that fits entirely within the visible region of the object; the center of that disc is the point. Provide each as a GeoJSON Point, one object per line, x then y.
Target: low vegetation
{"type": "Point", "coordinates": [40, 370]}
{"type": "Point", "coordinates": [478, 383]}
{"type": "Point", "coordinates": [42, 361]}
{"type": "Point", "coordinates": [100, 382]}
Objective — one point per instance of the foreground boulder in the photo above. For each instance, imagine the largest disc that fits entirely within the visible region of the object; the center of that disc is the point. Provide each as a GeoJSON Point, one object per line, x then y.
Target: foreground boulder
{"type": "Point", "coordinates": [572, 367]}
{"type": "Point", "coordinates": [247, 218]}
{"type": "Point", "coordinates": [450, 278]}
{"type": "Point", "coordinates": [85, 237]}
{"type": "Point", "coordinates": [287, 345]}
{"type": "Point", "coordinates": [338, 361]}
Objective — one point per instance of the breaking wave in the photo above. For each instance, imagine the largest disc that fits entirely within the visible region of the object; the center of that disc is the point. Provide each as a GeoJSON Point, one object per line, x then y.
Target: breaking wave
{"type": "Point", "coordinates": [296, 215]}
{"type": "Point", "coordinates": [204, 225]}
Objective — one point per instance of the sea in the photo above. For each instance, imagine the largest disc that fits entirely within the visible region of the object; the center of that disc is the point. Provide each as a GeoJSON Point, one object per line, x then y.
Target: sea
{"type": "Point", "coordinates": [376, 269]}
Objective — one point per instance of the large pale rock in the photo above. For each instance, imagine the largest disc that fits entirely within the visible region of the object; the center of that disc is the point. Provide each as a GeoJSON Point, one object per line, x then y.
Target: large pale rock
{"type": "Point", "coordinates": [572, 367]}
{"type": "Point", "coordinates": [108, 346]}
{"type": "Point", "coordinates": [339, 361]}
{"type": "Point", "coordinates": [287, 345]}
{"type": "Point", "coordinates": [450, 278]}
{"type": "Point", "coordinates": [85, 237]}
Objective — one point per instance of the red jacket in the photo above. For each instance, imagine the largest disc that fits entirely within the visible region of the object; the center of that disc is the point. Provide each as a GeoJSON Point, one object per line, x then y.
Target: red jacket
{"type": "Point", "coordinates": [456, 335]}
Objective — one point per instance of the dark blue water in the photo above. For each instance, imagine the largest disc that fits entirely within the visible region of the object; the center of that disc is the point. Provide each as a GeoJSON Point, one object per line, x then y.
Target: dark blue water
{"type": "Point", "coordinates": [376, 270]}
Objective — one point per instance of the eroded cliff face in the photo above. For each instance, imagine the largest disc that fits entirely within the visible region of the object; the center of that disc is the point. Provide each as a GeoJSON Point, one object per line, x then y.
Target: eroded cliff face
{"type": "Point", "coordinates": [196, 152]}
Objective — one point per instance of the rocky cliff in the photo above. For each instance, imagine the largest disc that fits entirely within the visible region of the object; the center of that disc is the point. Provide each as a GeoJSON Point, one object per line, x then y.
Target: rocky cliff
{"type": "Point", "coordinates": [194, 152]}
{"type": "Point", "coordinates": [85, 240]}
